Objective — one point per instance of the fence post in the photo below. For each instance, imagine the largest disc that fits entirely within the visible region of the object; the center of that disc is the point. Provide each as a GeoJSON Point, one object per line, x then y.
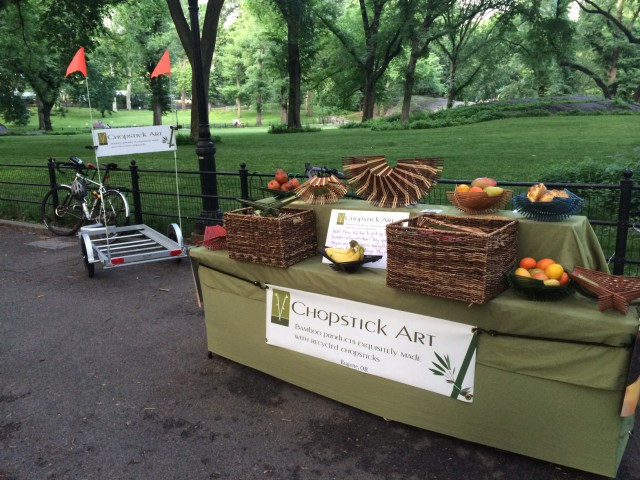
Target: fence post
{"type": "Point", "coordinates": [624, 211]}
{"type": "Point", "coordinates": [244, 182]}
{"type": "Point", "coordinates": [52, 171]}
{"type": "Point", "coordinates": [135, 190]}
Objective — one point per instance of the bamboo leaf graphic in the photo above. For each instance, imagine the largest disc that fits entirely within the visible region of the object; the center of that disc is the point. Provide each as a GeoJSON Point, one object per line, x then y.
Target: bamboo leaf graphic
{"type": "Point", "coordinates": [436, 372]}
{"type": "Point", "coordinates": [446, 357]}
{"type": "Point", "coordinates": [441, 360]}
{"type": "Point", "coordinates": [439, 367]}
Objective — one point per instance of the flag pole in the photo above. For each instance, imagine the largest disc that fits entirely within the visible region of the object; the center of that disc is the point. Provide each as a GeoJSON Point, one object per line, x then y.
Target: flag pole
{"type": "Point", "coordinates": [175, 152]}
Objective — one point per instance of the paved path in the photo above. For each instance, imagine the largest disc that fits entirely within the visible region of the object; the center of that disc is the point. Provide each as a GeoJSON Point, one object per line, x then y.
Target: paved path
{"type": "Point", "coordinates": [108, 378]}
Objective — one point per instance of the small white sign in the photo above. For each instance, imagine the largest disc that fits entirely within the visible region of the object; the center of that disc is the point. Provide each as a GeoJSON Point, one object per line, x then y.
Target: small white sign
{"type": "Point", "coordinates": [425, 352]}
{"type": "Point", "coordinates": [131, 140]}
{"type": "Point", "coordinates": [366, 227]}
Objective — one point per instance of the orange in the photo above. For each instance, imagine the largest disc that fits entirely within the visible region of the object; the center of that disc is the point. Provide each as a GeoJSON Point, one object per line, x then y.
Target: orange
{"type": "Point", "coordinates": [564, 279]}
{"type": "Point", "coordinates": [544, 263]}
{"type": "Point", "coordinates": [554, 271]}
{"type": "Point", "coordinates": [528, 263]}
{"type": "Point", "coordinates": [475, 189]}
{"type": "Point", "coordinates": [462, 188]}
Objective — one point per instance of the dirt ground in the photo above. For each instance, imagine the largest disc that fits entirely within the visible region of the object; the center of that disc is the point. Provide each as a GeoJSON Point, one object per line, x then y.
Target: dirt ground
{"type": "Point", "coordinates": [109, 378]}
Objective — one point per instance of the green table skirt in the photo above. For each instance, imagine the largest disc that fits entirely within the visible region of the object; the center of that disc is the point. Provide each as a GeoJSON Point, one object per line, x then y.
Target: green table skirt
{"type": "Point", "coordinates": [553, 391]}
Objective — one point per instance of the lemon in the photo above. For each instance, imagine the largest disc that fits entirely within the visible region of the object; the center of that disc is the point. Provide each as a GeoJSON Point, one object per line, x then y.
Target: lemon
{"type": "Point", "coordinates": [554, 271]}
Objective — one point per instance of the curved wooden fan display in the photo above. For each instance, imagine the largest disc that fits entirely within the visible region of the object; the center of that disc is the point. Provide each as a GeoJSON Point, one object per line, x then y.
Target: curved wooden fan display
{"type": "Point", "coordinates": [392, 187]}
{"type": "Point", "coordinates": [322, 190]}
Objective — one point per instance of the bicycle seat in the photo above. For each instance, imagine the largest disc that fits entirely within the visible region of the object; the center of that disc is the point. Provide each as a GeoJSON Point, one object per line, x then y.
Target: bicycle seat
{"type": "Point", "coordinates": [111, 166]}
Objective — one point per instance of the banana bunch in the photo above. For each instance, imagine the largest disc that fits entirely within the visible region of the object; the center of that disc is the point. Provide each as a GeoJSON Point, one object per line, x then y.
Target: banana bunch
{"type": "Point", "coordinates": [354, 253]}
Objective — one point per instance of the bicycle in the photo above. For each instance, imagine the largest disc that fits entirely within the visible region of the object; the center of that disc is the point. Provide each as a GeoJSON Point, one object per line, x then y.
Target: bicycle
{"type": "Point", "coordinates": [65, 207]}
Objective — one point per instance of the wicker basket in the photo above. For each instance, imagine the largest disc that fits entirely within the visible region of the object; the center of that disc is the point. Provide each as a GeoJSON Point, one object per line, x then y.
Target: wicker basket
{"type": "Point", "coordinates": [456, 257]}
{"type": "Point", "coordinates": [276, 241]}
{"type": "Point", "coordinates": [479, 203]}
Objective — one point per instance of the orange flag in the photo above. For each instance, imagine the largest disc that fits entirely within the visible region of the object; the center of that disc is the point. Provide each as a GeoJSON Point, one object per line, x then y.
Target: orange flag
{"type": "Point", "coordinates": [78, 64]}
{"type": "Point", "coordinates": [163, 66]}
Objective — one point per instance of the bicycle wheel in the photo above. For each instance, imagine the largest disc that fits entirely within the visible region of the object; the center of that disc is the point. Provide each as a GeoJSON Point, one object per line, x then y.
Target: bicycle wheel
{"type": "Point", "coordinates": [116, 209]}
{"type": "Point", "coordinates": [61, 212]}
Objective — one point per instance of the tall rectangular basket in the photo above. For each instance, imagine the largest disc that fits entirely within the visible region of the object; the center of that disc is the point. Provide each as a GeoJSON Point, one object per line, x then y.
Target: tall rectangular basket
{"type": "Point", "coordinates": [456, 257]}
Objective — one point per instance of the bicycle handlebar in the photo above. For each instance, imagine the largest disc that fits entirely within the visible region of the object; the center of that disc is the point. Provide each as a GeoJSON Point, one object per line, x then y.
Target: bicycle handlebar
{"type": "Point", "coordinates": [322, 171]}
{"type": "Point", "coordinates": [79, 166]}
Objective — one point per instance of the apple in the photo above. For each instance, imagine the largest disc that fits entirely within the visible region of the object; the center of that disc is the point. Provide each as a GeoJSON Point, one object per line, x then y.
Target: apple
{"type": "Point", "coordinates": [484, 182]}
{"type": "Point", "coordinates": [493, 191]}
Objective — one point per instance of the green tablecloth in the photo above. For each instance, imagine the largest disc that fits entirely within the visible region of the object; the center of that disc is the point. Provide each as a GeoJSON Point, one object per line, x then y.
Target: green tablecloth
{"type": "Point", "coordinates": [551, 390]}
{"type": "Point", "coordinates": [570, 242]}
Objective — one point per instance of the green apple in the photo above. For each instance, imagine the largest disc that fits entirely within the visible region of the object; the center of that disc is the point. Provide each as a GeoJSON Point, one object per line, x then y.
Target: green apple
{"type": "Point", "coordinates": [493, 191]}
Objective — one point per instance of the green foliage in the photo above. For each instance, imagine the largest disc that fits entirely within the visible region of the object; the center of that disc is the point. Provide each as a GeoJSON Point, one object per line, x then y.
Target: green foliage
{"type": "Point", "coordinates": [12, 107]}
{"type": "Point", "coordinates": [596, 172]}
{"type": "Point", "coordinates": [283, 128]}
{"type": "Point", "coordinates": [466, 115]}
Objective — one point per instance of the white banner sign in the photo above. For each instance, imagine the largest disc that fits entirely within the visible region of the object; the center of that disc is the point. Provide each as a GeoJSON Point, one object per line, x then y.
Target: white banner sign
{"type": "Point", "coordinates": [126, 141]}
{"type": "Point", "coordinates": [368, 228]}
{"type": "Point", "coordinates": [418, 350]}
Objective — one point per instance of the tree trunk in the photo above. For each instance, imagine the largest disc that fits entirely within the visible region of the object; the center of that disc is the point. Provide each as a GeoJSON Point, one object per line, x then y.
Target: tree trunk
{"type": "Point", "coordinates": [295, 77]}
{"type": "Point", "coordinates": [451, 91]}
{"type": "Point", "coordinates": [128, 97]}
{"type": "Point", "coordinates": [44, 114]}
{"type": "Point", "coordinates": [309, 103]}
{"type": "Point", "coordinates": [183, 97]}
{"type": "Point", "coordinates": [259, 110]}
{"type": "Point", "coordinates": [283, 105]}
{"type": "Point", "coordinates": [369, 100]}
{"type": "Point", "coordinates": [409, 83]}
{"type": "Point", "coordinates": [156, 107]}
{"type": "Point", "coordinates": [207, 44]}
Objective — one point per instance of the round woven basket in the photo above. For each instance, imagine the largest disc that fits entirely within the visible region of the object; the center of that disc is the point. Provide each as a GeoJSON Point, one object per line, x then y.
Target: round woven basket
{"type": "Point", "coordinates": [475, 203]}
{"type": "Point", "coordinates": [556, 210]}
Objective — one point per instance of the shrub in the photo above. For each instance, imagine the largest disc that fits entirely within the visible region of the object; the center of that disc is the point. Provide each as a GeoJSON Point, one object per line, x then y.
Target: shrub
{"type": "Point", "coordinates": [283, 128]}
{"type": "Point", "coordinates": [606, 202]}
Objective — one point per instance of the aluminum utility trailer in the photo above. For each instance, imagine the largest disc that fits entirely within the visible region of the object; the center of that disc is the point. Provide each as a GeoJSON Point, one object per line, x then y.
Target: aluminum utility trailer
{"type": "Point", "coordinates": [129, 245]}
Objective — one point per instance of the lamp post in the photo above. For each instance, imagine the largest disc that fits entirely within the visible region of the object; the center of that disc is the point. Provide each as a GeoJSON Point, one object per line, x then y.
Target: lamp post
{"type": "Point", "coordinates": [205, 148]}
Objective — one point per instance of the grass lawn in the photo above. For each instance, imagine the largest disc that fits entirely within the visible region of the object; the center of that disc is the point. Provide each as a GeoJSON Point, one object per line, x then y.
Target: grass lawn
{"type": "Point", "coordinates": [519, 149]}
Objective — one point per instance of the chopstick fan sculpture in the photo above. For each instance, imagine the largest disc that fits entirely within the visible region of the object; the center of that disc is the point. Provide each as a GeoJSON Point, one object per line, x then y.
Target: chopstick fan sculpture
{"type": "Point", "coordinates": [392, 187]}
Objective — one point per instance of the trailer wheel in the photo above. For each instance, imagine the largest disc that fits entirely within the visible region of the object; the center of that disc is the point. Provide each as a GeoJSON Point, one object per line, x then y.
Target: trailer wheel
{"type": "Point", "coordinates": [89, 267]}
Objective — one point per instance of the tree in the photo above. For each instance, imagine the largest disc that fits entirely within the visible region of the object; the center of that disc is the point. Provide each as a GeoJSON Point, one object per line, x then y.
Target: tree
{"type": "Point", "coordinates": [296, 14]}
{"type": "Point", "coordinates": [207, 44]}
{"type": "Point", "coordinates": [590, 6]}
{"type": "Point", "coordinates": [469, 31]}
{"type": "Point", "coordinates": [12, 107]}
{"type": "Point", "coordinates": [609, 34]}
{"type": "Point", "coordinates": [138, 36]}
{"type": "Point", "coordinates": [380, 40]}
{"type": "Point", "coordinates": [38, 39]}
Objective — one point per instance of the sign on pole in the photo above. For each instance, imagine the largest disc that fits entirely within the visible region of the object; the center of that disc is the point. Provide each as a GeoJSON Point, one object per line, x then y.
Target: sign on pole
{"type": "Point", "coordinates": [130, 140]}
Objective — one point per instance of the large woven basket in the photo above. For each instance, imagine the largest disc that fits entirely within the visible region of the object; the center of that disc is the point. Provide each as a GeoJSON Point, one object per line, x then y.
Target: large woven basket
{"type": "Point", "coordinates": [276, 241]}
{"type": "Point", "coordinates": [457, 257]}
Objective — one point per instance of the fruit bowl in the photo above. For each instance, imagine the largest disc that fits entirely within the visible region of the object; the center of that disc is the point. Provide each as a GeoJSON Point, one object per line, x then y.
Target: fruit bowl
{"type": "Point", "coordinates": [534, 289]}
{"type": "Point", "coordinates": [556, 210]}
{"type": "Point", "coordinates": [349, 267]}
{"type": "Point", "coordinates": [479, 202]}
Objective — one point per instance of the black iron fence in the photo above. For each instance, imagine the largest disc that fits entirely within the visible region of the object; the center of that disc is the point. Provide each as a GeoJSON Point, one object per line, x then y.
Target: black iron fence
{"type": "Point", "coordinates": [161, 197]}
